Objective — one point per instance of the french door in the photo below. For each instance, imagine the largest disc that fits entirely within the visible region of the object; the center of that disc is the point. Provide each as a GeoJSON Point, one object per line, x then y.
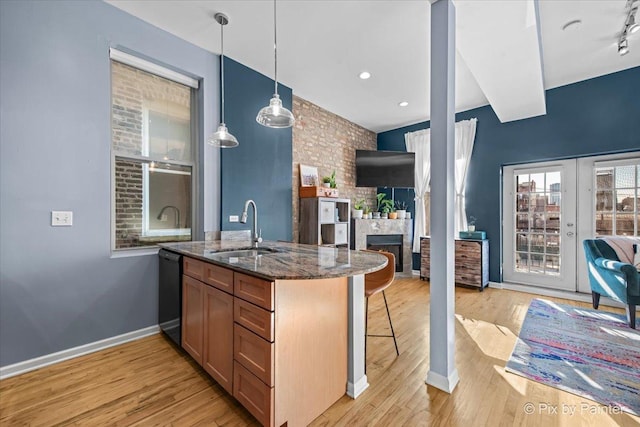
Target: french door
{"type": "Point", "coordinates": [550, 208]}
{"type": "Point", "coordinates": [539, 224]}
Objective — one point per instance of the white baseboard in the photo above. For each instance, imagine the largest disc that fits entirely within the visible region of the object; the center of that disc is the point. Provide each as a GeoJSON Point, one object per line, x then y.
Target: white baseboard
{"type": "Point", "coordinates": [355, 390]}
{"type": "Point", "coordinates": [49, 359]}
{"type": "Point", "coordinates": [446, 384]}
{"type": "Point", "coordinates": [574, 296]}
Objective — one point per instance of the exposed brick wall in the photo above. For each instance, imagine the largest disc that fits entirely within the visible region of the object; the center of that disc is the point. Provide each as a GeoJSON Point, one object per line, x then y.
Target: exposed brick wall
{"type": "Point", "coordinates": [328, 142]}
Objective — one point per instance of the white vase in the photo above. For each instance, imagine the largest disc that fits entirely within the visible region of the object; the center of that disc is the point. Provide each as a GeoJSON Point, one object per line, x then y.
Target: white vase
{"type": "Point", "coordinates": [326, 184]}
{"type": "Point", "coordinates": [357, 213]}
{"type": "Point", "coordinates": [402, 214]}
{"type": "Point", "coordinates": [471, 228]}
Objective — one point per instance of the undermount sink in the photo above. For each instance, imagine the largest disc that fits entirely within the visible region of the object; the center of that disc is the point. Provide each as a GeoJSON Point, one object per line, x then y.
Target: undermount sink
{"type": "Point", "coordinates": [240, 253]}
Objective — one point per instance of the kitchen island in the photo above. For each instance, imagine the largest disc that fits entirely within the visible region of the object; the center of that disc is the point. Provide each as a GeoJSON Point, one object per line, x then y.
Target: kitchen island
{"type": "Point", "coordinates": [281, 328]}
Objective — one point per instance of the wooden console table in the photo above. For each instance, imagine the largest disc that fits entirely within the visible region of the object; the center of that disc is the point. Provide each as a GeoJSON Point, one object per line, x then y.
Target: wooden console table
{"type": "Point", "coordinates": [472, 262]}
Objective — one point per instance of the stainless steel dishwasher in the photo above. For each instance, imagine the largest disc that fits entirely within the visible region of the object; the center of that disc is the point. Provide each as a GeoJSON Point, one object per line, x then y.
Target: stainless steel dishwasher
{"type": "Point", "coordinates": [170, 294]}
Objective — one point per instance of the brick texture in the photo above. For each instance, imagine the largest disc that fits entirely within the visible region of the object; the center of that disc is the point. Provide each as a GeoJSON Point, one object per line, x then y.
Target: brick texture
{"type": "Point", "coordinates": [328, 142]}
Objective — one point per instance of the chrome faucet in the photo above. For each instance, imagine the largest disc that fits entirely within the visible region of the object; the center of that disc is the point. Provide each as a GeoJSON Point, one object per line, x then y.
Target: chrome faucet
{"type": "Point", "coordinates": [255, 234]}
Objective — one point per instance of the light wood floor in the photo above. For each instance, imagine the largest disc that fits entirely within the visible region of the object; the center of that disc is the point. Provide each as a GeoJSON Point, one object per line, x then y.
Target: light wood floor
{"type": "Point", "coordinates": [149, 382]}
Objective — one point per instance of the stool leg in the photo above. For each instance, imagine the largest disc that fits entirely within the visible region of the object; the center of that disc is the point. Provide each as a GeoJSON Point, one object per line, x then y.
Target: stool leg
{"type": "Point", "coordinates": [366, 321]}
{"type": "Point", "coordinates": [390, 324]}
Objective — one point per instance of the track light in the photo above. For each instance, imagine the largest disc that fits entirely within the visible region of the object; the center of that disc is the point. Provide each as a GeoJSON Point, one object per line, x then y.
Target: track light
{"type": "Point", "coordinates": [623, 47]}
{"type": "Point", "coordinates": [630, 27]}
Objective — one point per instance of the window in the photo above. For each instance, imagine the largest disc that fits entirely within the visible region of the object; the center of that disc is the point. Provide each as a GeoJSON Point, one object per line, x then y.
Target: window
{"type": "Point", "coordinates": [617, 202]}
{"type": "Point", "coordinates": [152, 154]}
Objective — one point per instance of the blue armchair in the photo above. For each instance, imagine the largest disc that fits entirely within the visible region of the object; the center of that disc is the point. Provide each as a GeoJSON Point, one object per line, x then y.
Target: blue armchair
{"type": "Point", "coordinates": [610, 277]}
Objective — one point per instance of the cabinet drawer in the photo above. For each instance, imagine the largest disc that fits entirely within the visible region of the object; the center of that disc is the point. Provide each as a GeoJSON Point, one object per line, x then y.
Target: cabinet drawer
{"type": "Point", "coordinates": [327, 212]}
{"type": "Point", "coordinates": [193, 268]}
{"type": "Point", "coordinates": [253, 394]}
{"type": "Point", "coordinates": [254, 353]}
{"type": "Point", "coordinates": [254, 318]}
{"type": "Point", "coordinates": [219, 277]}
{"type": "Point", "coordinates": [252, 289]}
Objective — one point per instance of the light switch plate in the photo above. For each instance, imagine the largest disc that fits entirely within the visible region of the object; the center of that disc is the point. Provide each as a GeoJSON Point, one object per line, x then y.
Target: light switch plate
{"type": "Point", "coordinates": [233, 218]}
{"type": "Point", "coordinates": [61, 218]}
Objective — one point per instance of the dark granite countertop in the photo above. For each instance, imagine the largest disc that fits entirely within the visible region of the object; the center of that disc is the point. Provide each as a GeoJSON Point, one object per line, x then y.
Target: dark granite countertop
{"type": "Point", "coordinates": [287, 261]}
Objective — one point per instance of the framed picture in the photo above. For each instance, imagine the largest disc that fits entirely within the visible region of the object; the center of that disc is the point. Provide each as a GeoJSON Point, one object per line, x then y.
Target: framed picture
{"type": "Point", "coordinates": [309, 176]}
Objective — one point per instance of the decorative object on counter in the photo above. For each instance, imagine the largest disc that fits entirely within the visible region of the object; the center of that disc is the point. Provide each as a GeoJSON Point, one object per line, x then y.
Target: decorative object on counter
{"type": "Point", "coordinates": [275, 115]}
{"type": "Point", "coordinates": [393, 214]}
{"type": "Point", "coordinates": [401, 209]}
{"type": "Point", "coordinates": [358, 209]}
{"type": "Point", "coordinates": [471, 226]}
{"type": "Point", "coordinates": [376, 215]}
{"type": "Point", "coordinates": [308, 176]}
{"type": "Point", "coordinates": [407, 215]}
{"type": "Point", "coordinates": [326, 182]}
{"type": "Point", "coordinates": [222, 138]}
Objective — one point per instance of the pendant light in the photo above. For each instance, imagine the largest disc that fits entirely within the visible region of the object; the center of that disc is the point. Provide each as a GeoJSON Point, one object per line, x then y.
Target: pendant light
{"type": "Point", "coordinates": [222, 138]}
{"type": "Point", "coordinates": [275, 115]}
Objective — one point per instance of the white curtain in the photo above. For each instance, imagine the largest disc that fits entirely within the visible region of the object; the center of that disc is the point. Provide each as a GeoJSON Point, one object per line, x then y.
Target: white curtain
{"type": "Point", "coordinates": [465, 136]}
{"type": "Point", "coordinates": [419, 143]}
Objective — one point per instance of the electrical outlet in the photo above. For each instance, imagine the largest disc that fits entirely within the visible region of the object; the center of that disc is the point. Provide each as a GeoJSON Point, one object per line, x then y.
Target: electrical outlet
{"type": "Point", "coordinates": [233, 218]}
{"type": "Point", "coordinates": [61, 218]}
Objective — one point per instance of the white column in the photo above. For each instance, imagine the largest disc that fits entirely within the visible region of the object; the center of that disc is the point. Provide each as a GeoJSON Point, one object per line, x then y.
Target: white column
{"type": "Point", "coordinates": [442, 371]}
{"type": "Point", "coordinates": [356, 378]}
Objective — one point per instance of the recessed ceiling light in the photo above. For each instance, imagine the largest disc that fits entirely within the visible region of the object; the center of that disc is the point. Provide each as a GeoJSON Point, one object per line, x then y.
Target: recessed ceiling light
{"type": "Point", "coordinates": [365, 75]}
{"type": "Point", "coordinates": [572, 25]}
{"type": "Point", "coordinates": [403, 104]}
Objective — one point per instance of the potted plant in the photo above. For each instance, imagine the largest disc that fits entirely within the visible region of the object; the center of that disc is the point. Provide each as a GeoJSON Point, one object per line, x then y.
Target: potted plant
{"type": "Point", "coordinates": [401, 209]}
{"type": "Point", "coordinates": [367, 212]}
{"type": "Point", "coordinates": [392, 213]}
{"type": "Point", "coordinates": [471, 224]}
{"type": "Point", "coordinates": [385, 206]}
{"type": "Point", "coordinates": [358, 209]}
{"type": "Point", "coordinates": [330, 181]}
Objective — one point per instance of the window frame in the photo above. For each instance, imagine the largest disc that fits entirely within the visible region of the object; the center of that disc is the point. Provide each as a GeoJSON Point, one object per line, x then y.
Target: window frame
{"type": "Point", "coordinates": [147, 160]}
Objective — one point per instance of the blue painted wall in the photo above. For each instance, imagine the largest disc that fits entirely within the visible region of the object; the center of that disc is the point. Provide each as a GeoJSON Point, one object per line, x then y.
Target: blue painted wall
{"type": "Point", "coordinates": [260, 167]}
{"type": "Point", "coordinates": [59, 287]}
{"type": "Point", "coordinates": [593, 117]}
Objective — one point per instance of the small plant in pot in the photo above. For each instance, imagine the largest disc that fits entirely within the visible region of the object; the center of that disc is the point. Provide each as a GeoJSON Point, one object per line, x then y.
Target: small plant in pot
{"type": "Point", "coordinates": [358, 209]}
{"type": "Point", "coordinates": [330, 181]}
{"type": "Point", "coordinates": [401, 209]}
{"type": "Point", "coordinates": [471, 224]}
{"type": "Point", "coordinates": [386, 207]}
{"type": "Point", "coordinates": [367, 212]}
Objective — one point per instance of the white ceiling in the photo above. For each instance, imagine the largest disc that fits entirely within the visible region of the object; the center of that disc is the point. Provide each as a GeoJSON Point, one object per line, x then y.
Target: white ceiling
{"type": "Point", "coordinates": [505, 56]}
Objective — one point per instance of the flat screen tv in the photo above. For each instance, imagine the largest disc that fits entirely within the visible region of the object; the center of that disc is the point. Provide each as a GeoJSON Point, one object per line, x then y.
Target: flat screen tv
{"type": "Point", "coordinates": [385, 169]}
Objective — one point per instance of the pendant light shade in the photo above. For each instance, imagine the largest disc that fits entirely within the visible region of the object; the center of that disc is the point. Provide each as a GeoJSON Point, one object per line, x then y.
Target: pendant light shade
{"type": "Point", "coordinates": [275, 115]}
{"type": "Point", "coordinates": [222, 138]}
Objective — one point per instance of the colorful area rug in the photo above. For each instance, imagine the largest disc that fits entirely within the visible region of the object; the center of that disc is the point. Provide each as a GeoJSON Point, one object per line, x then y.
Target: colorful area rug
{"type": "Point", "coordinates": [591, 353]}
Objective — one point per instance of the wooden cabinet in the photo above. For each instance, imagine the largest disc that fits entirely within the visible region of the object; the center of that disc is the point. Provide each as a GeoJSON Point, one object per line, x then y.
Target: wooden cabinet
{"type": "Point", "coordinates": [192, 317]}
{"type": "Point", "coordinates": [325, 221]}
{"type": "Point", "coordinates": [471, 262]}
{"type": "Point", "coordinates": [217, 357]}
{"type": "Point", "coordinates": [279, 347]}
{"type": "Point", "coordinates": [207, 319]}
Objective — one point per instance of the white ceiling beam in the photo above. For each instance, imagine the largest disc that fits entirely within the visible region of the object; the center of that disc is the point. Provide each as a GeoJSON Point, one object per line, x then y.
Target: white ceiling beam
{"type": "Point", "coordinates": [504, 55]}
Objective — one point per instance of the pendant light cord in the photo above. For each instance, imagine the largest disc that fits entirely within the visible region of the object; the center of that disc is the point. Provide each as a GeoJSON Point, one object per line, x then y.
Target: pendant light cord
{"type": "Point", "coordinates": [222, 65]}
{"type": "Point", "coordinates": [275, 45]}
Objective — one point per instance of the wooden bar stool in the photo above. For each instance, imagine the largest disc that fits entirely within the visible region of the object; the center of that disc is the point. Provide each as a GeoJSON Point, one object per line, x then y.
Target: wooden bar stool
{"type": "Point", "coordinates": [374, 283]}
